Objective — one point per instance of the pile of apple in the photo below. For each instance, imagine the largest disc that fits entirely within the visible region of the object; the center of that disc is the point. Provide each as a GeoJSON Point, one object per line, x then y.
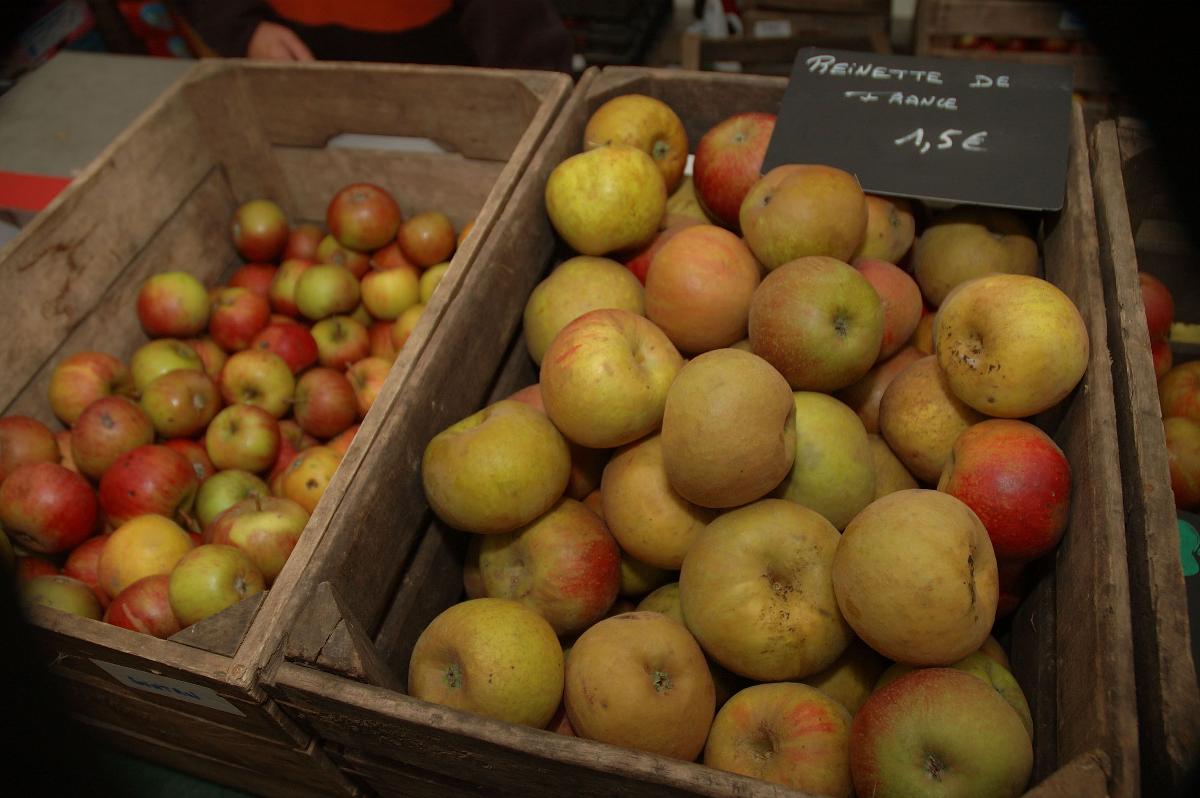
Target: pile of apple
{"type": "Point", "coordinates": [1022, 44]}
{"type": "Point", "coordinates": [747, 445]}
{"type": "Point", "coordinates": [182, 481]}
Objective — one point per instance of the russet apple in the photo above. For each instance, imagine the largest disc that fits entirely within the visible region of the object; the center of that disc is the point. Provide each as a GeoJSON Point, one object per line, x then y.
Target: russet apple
{"type": "Point", "coordinates": [728, 162]}
{"type": "Point", "coordinates": [81, 379]}
{"type": "Point", "coordinates": [890, 231]}
{"type": "Point", "coordinates": [638, 579]}
{"type": "Point", "coordinates": [890, 473]}
{"type": "Point", "coordinates": [901, 300]}
{"type": "Point", "coordinates": [852, 676]}
{"type": "Point", "coordinates": [863, 397]}
{"type": "Point", "coordinates": [639, 262]}
{"type": "Point", "coordinates": [967, 242]}
{"type": "Point", "coordinates": [311, 471]}
{"type": "Point", "coordinates": [181, 403]}
{"type": "Point", "coordinates": [587, 465]}
{"type": "Point", "coordinates": [646, 123]}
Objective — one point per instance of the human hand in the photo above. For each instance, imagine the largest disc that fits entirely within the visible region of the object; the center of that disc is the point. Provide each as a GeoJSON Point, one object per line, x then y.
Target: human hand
{"type": "Point", "coordinates": [277, 43]}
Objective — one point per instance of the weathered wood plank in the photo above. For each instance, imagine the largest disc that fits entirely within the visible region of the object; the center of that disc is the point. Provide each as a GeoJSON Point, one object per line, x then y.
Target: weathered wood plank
{"type": "Point", "coordinates": [223, 632]}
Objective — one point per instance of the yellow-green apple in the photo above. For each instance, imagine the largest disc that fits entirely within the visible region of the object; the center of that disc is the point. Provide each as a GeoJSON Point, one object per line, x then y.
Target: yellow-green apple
{"type": "Point", "coordinates": [427, 238]}
{"type": "Point", "coordinates": [363, 216]}
{"type": "Point", "coordinates": [1179, 391]}
{"type": "Point", "coordinates": [901, 300]}
{"type": "Point", "coordinates": [305, 480]}
{"type": "Point", "coordinates": [473, 587]}
{"type": "Point", "coordinates": [430, 279]}
{"type": "Point", "coordinates": [1183, 459]}
{"type": "Point", "coordinates": [25, 440]}
{"type": "Point", "coordinates": [922, 337]}
{"type": "Point", "coordinates": [915, 575]}
{"type": "Point", "coordinates": [797, 210]}
{"type": "Point", "coordinates": [1017, 481]}
{"type": "Point", "coordinates": [325, 402]}
{"type": "Point", "coordinates": [302, 242]}
{"type": "Point", "coordinates": [259, 378]}
{"type": "Point", "coordinates": [491, 657]}
{"type": "Point", "coordinates": [149, 479]}
{"type": "Point", "coordinates": [863, 397]}
{"type": "Point", "coordinates": [145, 607]}
{"type": "Point", "coordinates": [259, 229]}
{"type": "Point", "coordinates": [47, 508]}
{"type": "Point", "coordinates": [243, 436]}
{"type": "Point", "coordinates": [891, 229]}
{"type": "Point", "coordinates": [728, 433]}
{"type": "Point", "coordinates": [387, 294]}
{"type": "Point", "coordinates": [728, 162]}
{"type": "Point", "coordinates": [83, 563]}
{"type": "Point", "coordinates": [1159, 306]}
{"type": "Point", "coordinates": [587, 465]}
{"type": "Point", "coordinates": [852, 676]}
{"type": "Point", "coordinates": [109, 427]}
{"type": "Point", "coordinates": [283, 287]}
{"type": "Point", "coordinates": [576, 286]}
{"type": "Point", "coordinates": [1160, 352]}
{"type": "Point", "coordinates": [832, 472]}
{"type": "Point", "coordinates": [818, 321]}
{"type": "Point", "coordinates": [60, 593]}
{"type": "Point", "coordinates": [983, 667]}
{"type": "Point", "coordinates": [497, 469]}
{"type": "Point", "coordinates": [256, 277]}
{"type": "Point", "coordinates": [367, 377]}
{"type": "Point", "coordinates": [651, 521]}
{"type": "Point", "coordinates": [238, 314]}
{"type": "Point", "coordinates": [172, 305]}
{"type": "Point", "coordinates": [639, 578]}
{"type": "Point", "coordinates": [664, 599]}
{"type": "Point", "coordinates": [964, 243]}
{"type": "Point", "coordinates": [920, 418]}
{"type": "Point", "coordinates": [223, 490]}
{"type": "Point", "coordinates": [162, 355]}
{"type": "Point", "coordinates": [212, 357]}
{"type": "Point", "coordinates": [292, 342]}
{"type": "Point", "coordinates": [264, 528]}
{"type": "Point", "coordinates": [81, 379]}
{"type": "Point", "coordinates": [639, 680]}
{"type": "Point", "coordinates": [756, 591]}
{"type": "Point", "coordinates": [639, 262]}
{"type": "Point", "coordinates": [943, 727]}
{"type": "Point", "coordinates": [646, 123]}
{"type": "Point", "coordinates": [699, 286]}
{"type": "Point", "coordinates": [404, 326]}
{"type": "Point", "coordinates": [564, 565]}
{"type": "Point", "coordinates": [605, 377]}
{"type": "Point", "coordinates": [146, 545]}
{"type": "Point", "coordinates": [341, 340]}
{"type": "Point", "coordinates": [992, 648]}
{"type": "Point", "coordinates": [890, 473]}
{"type": "Point", "coordinates": [391, 256]}
{"type": "Point", "coordinates": [326, 289]}
{"type": "Point", "coordinates": [211, 578]}
{"type": "Point", "coordinates": [181, 403]}
{"type": "Point", "coordinates": [195, 453]}
{"type": "Point", "coordinates": [608, 199]}
{"type": "Point", "coordinates": [785, 733]}
{"type": "Point", "coordinates": [330, 251]}
{"type": "Point", "coordinates": [1011, 345]}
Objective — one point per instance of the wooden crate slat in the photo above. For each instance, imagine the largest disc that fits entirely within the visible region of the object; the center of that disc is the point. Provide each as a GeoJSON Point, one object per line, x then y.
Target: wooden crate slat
{"type": "Point", "coordinates": [1000, 18]}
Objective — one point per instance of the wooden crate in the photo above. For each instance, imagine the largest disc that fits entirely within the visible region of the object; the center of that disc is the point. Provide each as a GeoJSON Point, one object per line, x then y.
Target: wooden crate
{"type": "Point", "coordinates": [160, 198]}
{"type": "Point", "coordinates": [939, 23]}
{"type": "Point", "coordinates": [387, 567]}
{"type": "Point", "coordinates": [1137, 232]}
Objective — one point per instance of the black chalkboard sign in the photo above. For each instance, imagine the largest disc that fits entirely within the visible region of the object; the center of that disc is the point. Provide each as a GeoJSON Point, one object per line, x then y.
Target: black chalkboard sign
{"type": "Point", "coordinates": [960, 131]}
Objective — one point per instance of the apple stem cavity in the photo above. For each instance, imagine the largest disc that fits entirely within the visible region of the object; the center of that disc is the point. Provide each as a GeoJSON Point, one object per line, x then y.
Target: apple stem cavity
{"type": "Point", "coordinates": [453, 676]}
{"type": "Point", "coordinates": [934, 767]}
{"type": "Point", "coordinates": [662, 681]}
{"type": "Point", "coordinates": [661, 150]}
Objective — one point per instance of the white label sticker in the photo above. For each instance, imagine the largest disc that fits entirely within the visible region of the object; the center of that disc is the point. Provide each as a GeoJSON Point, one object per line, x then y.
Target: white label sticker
{"type": "Point", "coordinates": [772, 28]}
{"type": "Point", "coordinates": [165, 685]}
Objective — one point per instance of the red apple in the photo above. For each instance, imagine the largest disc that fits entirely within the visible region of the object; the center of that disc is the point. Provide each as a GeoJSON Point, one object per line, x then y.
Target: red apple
{"type": "Point", "coordinates": [144, 607]}
{"type": "Point", "coordinates": [172, 305]}
{"type": "Point", "coordinates": [264, 529]}
{"type": "Point", "coordinates": [260, 230]}
{"type": "Point", "coordinates": [282, 292]}
{"type": "Point", "coordinates": [901, 300]}
{"type": "Point", "coordinates": [363, 217]}
{"type": "Point", "coordinates": [1160, 351]}
{"type": "Point", "coordinates": [340, 341]}
{"type": "Point", "coordinates": [729, 161]}
{"type": "Point", "coordinates": [256, 277]}
{"type": "Point", "coordinates": [325, 402]}
{"type": "Point", "coordinates": [196, 455]}
{"type": "Point", "coordinates": [238, 314]}
{"type": "Point", "coordinates": [379, 335]}
{"type": "Point", "coordinates": [427, 238]}
{"type": "Point", "coordinates": [260, 378]}
{"type": "Point", "coordinates": [149, 479]}
{"type": "Point", "coordinates": [1159, 305]}
{"type": "Point", "coordinates": [108, 428]}
{"type": "Point", "coordinates": [292, 342]}
{"type": "Point", "coordinates": [84, 377]}
{"type": "Point", "coordinates": [390, 257]}
{"type": "Point", "coordinates": [332, 253]}
{"type": "Point", "coordinates": [212, 357]}
{"type": "Point", "coordinates": [243, 436]}
{"type": "Point", "coordinates": [83, 563]}
{"type": "Point", "coordinates": [181, 403]}
{"type": "Point", "coordinates": [31, 565]}
{"type": "Point", "coordinates": [302, 242]}
{"type": "Point", "coordinates": [341, 442]}
{"type": "Point", "coordinates": [367, 377]}
{"type": "Point", "coordinates": [639, 262]}
{"type": "Point", "coordinates": [25, 440]}
{"type": "Point", "coordinates": [47, 508]}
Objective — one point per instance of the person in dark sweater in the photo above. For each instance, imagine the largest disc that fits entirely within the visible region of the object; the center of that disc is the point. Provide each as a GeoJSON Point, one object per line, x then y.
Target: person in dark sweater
{"type": "Point", "coordinates": [525, 34]}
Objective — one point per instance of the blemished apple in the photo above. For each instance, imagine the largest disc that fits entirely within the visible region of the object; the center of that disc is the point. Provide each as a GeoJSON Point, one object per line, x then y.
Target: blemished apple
{"type": "Point", "coordinates": [145, 607]}
{"type": "Point", "coordinates": [966, 242]}
{"type": "Point", "coordinates": [237, 315]}
{"type": "Point", "coordinates": [649, 519]}
{"type": "Point", "coordinates": [564, 565]}
{"type": "Point", "coordinates": [427, 238]}
{"type": "Point", "coordinates": [195, 454]}
{"type": "Point", "coordinates": [172, 305]}
{"type": "Point", "coordinates": [729, 429]}
{"type": "Point", "coordinates": [259, 378]}
{"type": "Point", "coordinates": [260, 230]}
{"type": "Point", "coordinates": [282, 294]}
{"type": "Point", "coordinates": [363, 216]}
{"type": "Point", "coordinates": [639, 680]}
{"type": "Point", "coordinates": [605, 377]}
{"type": "Point", "coordinates": [47, 508]}
{"type": "Point", "coordinates": [901, 300]}
{"type": "Point", "coordinates": [1011, 345]}
{"type": "Point", "coordinates": [292, 342]}
{"type": "Point", "coordinates": [491, 657]}
{"type": "Point", "coordinates": [1159, 306]}
{"type": "Point", "coordinates": [149, 479]}
{"type": "Point", "coordinates": [785, 733]}
{"type": "Point", "coordinates": [144, 546]}
{"type": "Point", "coordinates": [798, 210]}
{"type": "Point", "coordinates": [107, 429]}
{"type": "Point", "coordinates": [890, 473]}
{"type": "Point", "coordinates": [916, 577]}
{"type": "Point", "coordinates": [223, 490]}
{"type": "Point", "coordinates": [606, 200]}
{"type": "Point", "coordinates": [82, 378]}
{"type": "Point", "coordinates": [646, 123]}
{"type": "Point", "coordinates": [305, 480]}
{"type": "Point", "coordinates": [243, 436]}
{"type": "Point", "coordinates": [264, 528]}
{"type": "Point", "coordinates": [852, 676]}
{"type": "Point", "coordinates": [891, 229]}
{"type": "Point", "coordinates": [728, 162]}
{"type": "Point", "coordinates": [325, 402]}
{"type": "Point", "coordinates": [156, 358]}
{"type": "Point", "coordinates": [863, 397]}
{"type": "Point", "coordinates": [211, 578]}
{"type": "Point", "coordinates": [819, 322]}
{"type": "Point", "coordinates": [25, 440]}
{"type": "Point", "coordinates": [1179, 391]}
{"type": "Point", "coordinates": [756, 591]}
{"type": "Point", "coordinates": [943, 725]}
{"type": "Point", "coordinates": [576, 286]}
{"type": "Point", "coordinates": [326, 289]}
{"type": "Point", "coordinates": [181, 403]}
{"type": "Point", "coordinates": [1183, 460]}
{"type": "Point", "coordinates": [699, 287]}
{"type": "Point", "coordinates": [60, 593]}
{"type": "Point", "coordinates": [496, 470]}
{"type": "Point", "coordinates": [1017, 481]}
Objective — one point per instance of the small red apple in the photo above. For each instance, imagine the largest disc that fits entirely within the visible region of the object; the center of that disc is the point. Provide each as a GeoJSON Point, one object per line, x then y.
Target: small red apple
{"type": "Point", "coordinates": [728, 162]}
{"type": "Point", "coordinates": [108, 428]}
{"type": "Point", "coordinates": [302, 242]}
{"type": "Point", "coordinates": [325, 402]}
{"type": "Point", "coordinates": [196, 455]}
{"type": "Point", "coordinates": [1179, 391]}
{"type": "Point", "coordinates": [25, 440]}
{"type": "Point", "coordinates": [144, 607]}
{"type": "Point", "coordinates": [243, 436]}
{"type": "Point", "coordinates": [290, 341]}
{"type": "Point", "coordinates": [83, 563]}
{"type": "Point", "coordinates": [172, 305]}
{"type": "Point", "coordinates": [1183, 457]}
{"type": "Point", "coordinates": [1159, 304]}
{"type": "Point", "coordinates": [282, 292]}
{"type": "Point", "coordinates": [260, 230]}
{"type": "Point", "coordinates": [84, 377]}
{"type": "Point", "coordinates": [363, 217]}
{"type": "Point", "coordinates": [256, 277]}
{"type": "Point", "coordinates": [238, 314]}
{"type": "Point", "coordinates": [149, 479]}
{"type": "Point", "coordinates": [427, 238]}
{"type": "Point", "coordinates": [47, 508]}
